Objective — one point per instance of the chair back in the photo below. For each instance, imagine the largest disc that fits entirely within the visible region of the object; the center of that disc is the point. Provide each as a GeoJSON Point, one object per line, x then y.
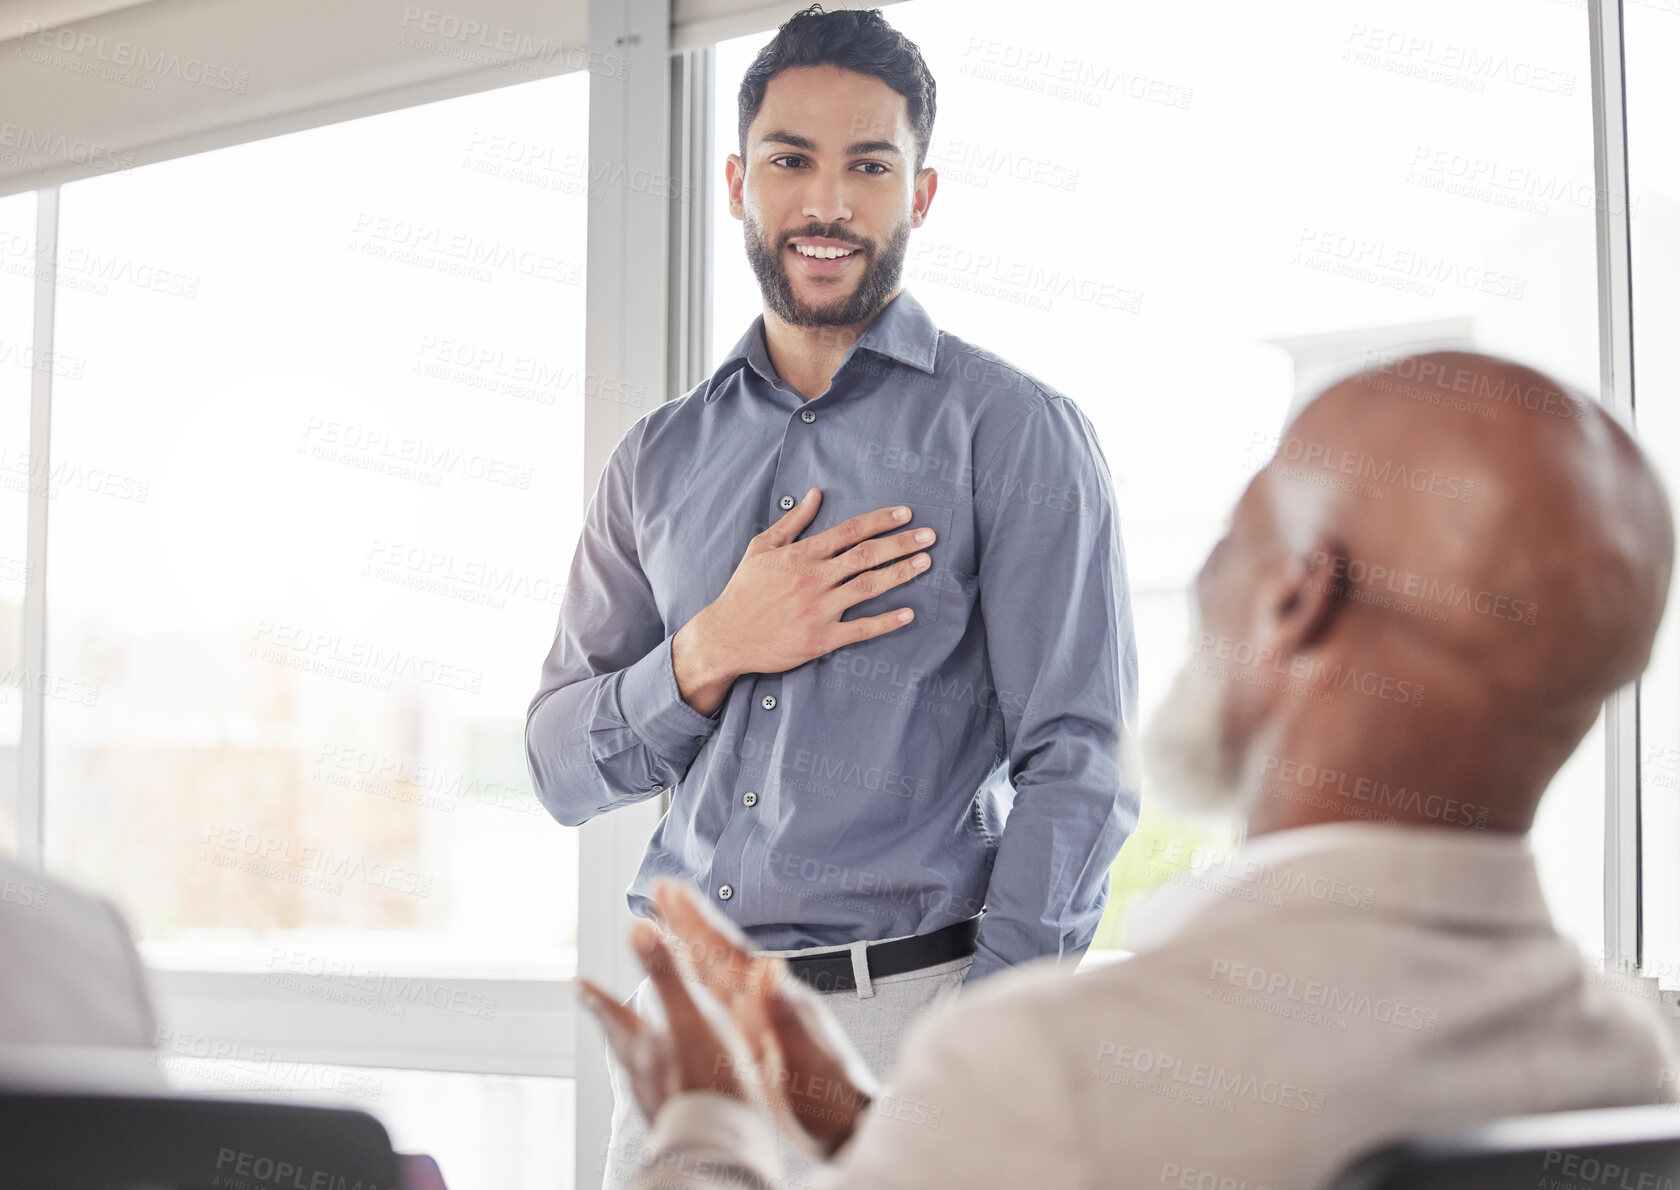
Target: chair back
{"type": "Point", "coordinates": [57, 1140]}
{"type": "Point", "coordinates": [1627, 1148]}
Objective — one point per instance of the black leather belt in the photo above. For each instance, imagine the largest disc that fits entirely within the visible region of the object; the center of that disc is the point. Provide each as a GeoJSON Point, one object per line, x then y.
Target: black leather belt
{"type": "Point", "coordinates": [833, 972]}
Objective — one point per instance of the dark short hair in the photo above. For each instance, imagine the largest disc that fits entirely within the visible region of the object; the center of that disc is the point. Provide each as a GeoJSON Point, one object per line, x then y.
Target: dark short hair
{"type": "Point", "coordinates": [853, 39]}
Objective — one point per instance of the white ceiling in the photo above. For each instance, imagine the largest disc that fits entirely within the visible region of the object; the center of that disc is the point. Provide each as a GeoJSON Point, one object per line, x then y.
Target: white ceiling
{"type": "Point", "coordinates": [279, 66]}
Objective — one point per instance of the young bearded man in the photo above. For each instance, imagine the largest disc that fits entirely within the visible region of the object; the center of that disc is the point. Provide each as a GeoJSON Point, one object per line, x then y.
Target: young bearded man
{"type": "Point", "coordinates": [858, 601]}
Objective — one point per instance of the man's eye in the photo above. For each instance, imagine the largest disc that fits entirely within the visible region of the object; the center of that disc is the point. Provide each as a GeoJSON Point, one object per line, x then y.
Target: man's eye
{"type": "Point", "coordinates": [785, 159]}
{"type": "Point", "coordinates": [873, 167]}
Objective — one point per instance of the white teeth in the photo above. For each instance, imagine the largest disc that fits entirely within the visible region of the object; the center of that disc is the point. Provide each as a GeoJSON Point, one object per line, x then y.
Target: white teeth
{"type": "Point", "coordinates": [822, 253]}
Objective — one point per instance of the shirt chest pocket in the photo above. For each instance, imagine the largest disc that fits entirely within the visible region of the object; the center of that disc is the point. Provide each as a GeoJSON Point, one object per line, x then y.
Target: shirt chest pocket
{"type": "Point", "coordinates": [927, 592]}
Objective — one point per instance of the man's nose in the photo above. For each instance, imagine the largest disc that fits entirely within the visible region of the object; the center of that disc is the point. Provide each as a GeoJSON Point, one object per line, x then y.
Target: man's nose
{"type": "Point", "coordinates": [826, 199]}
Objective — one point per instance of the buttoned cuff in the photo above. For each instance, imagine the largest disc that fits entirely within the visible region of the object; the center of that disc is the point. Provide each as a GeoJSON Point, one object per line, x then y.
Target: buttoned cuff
{"type": "Point", "coordinates": [710, 1133]}
{"type": "Point", "coordinates": [655, 710]}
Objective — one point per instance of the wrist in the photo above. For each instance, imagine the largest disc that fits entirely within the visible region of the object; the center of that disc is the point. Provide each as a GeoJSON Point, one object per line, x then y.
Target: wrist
{"type": "Point", "coordinates": [702, 670]}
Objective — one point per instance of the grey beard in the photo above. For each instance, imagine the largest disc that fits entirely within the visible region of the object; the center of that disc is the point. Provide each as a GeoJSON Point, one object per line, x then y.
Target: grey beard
{"type": "Point", "coordinates": [1189, 770]}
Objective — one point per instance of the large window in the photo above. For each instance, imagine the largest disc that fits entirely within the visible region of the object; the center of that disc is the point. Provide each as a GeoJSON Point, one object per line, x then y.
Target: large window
{"type": "Point", "coordinates": [1188, 223]}
{"type": "Point", "coordinates": [324, 449]}
{"type": "Point", "coordinates": [314, 485]}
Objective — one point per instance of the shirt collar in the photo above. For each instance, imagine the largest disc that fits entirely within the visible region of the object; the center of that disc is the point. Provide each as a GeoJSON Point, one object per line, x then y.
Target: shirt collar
{"type": "Point", "coordinates": [1439, 873]}
{"type": "Point", "coordinates": [904, 331]}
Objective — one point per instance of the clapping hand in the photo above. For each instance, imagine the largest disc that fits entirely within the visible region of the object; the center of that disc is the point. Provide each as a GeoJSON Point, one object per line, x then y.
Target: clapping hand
{"type": "Point", "coordinates": [800, 1063]}
{"type": "Point", "coordinates": [687, 1055]}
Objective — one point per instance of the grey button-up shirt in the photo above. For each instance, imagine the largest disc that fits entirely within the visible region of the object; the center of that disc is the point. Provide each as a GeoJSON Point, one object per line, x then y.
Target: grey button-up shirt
{"type": "Point", "coordinates": [969, 759]}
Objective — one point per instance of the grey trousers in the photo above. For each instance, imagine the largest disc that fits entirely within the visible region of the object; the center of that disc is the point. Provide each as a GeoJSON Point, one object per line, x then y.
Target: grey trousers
{"type": "Point", "coordinates": [874, 1017]}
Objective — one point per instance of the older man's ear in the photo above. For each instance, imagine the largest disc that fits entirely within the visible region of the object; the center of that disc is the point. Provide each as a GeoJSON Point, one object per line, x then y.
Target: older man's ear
{"type": "Point", "coordinates": [1316, 594]}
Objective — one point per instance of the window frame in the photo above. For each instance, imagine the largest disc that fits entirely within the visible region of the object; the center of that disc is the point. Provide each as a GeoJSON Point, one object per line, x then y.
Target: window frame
{"type": "Point", "coordinates": [1623, 936]}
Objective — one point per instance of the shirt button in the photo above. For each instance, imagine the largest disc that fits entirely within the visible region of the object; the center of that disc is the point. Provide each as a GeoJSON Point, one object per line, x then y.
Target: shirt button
{"type": "Point", "coordinates": [787, 502]}
{"type": "Point", "coordinates": [768, 702]}
{"type": "Point", "coordinates": [806, 416]}
{"type": "Point", "coordinates": [725, 892]}
{"type": "Point", "coordinates": [749, 798]}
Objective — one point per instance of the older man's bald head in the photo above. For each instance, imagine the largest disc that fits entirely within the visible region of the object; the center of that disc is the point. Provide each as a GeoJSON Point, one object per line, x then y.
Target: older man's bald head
{"type": "Point", "coordinates": [1530, 517]}
{"type": "Point", "coordinates": [1448, 564]}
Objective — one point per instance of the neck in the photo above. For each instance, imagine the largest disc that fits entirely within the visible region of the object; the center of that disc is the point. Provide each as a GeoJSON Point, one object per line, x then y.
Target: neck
{"type": "Point", "coordinates": [1339, 764]}
{"type": "Point", "coordinates": [806, 357]}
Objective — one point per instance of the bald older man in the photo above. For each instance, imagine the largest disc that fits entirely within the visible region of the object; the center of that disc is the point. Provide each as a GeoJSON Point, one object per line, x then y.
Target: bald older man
{"type": "Point", "coordinates": [1421, 603]}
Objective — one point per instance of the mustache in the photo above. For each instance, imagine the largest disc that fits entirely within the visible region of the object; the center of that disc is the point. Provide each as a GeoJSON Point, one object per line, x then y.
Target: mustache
{"type": "Point", "coordinates": [818, 231]}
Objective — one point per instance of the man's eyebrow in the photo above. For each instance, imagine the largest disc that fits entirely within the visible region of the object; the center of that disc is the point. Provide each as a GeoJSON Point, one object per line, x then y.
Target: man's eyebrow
{"type": "Point", "coordinates": [793, 139]}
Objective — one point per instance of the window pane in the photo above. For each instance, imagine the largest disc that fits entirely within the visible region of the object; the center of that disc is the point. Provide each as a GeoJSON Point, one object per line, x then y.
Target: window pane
{"type": "Point", "coordinates": [18, 367]}
{"type": "Point", "coordinates": [1651, 41]}
{"type": "Point", "coordinates": [326, 447]}
{"type": "Point", "coordinates": [1185, 229]}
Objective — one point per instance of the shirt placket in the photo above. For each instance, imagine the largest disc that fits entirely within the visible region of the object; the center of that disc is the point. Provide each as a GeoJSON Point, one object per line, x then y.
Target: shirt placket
{"type": "Point", "coordinates": [768, 703]}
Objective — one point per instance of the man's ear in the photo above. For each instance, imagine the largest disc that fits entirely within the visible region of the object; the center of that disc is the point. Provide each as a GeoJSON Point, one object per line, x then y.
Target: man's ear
{"type": "Point", "coordinates": [735, 175]}
{"type": "Point", "coordinates": [927, 184]}
{"type": "Point", "coordinates": [1307, 596]}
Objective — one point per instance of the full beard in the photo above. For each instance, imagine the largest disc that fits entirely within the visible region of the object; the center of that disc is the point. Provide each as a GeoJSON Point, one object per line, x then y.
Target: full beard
{"type": "Point", "coordinates": [1191, 771]}
{"type": "Point", "coordinates": [880, 276]}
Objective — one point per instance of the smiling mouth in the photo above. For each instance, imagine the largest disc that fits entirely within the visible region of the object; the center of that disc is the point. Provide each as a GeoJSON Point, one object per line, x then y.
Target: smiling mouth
{"type": "Point", "coordinates": [815, 252]}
